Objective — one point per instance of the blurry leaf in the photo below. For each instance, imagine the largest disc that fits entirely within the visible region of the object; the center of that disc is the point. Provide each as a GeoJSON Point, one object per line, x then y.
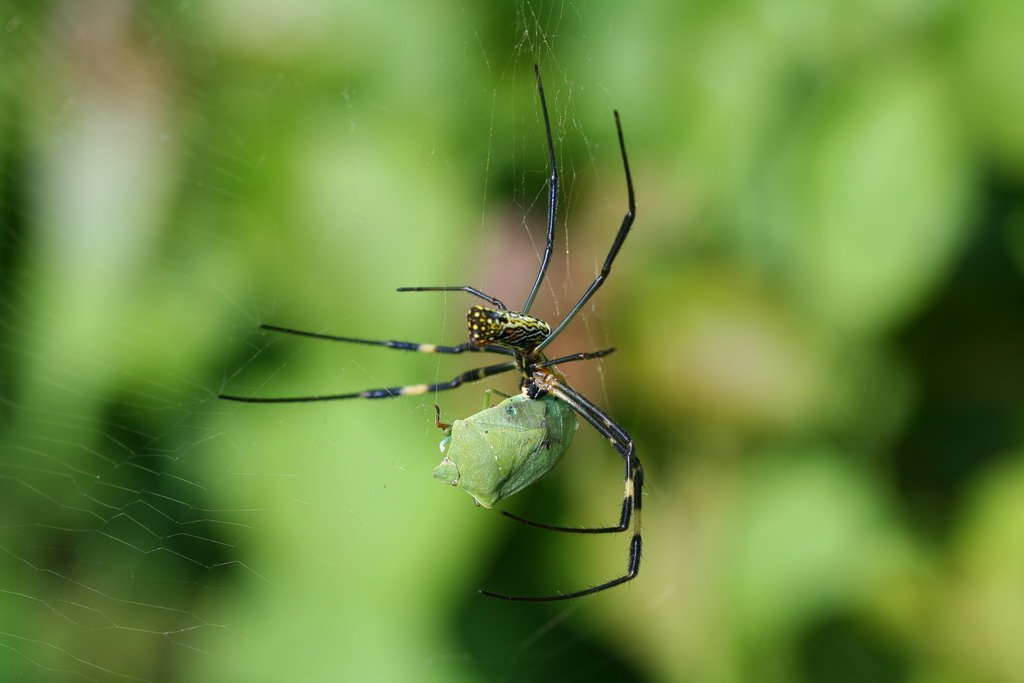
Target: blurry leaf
{"type": "Point", "coordinates": [738, 359]}
{"type": "Point", "coordinates": [873, 197]}
{"type": "Point", "coordinates": [991, 62]}
{"type": "Point", "coordinates": [984, 619]}
{"type": "Point", "coordinates": [809, 529]}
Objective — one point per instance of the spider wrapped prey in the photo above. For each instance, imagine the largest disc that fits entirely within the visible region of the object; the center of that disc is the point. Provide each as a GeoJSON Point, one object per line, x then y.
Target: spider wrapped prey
{"type": "Point", "coordinates": [502, 449]}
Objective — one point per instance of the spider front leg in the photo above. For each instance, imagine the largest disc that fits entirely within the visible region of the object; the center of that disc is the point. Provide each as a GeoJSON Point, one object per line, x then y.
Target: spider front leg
{"type": "Point", "coordinates": [630, 507]}
{"type": "Point", "coordinates": [620, 441]}
{"type": "Point", "coordinates": [632, 497]}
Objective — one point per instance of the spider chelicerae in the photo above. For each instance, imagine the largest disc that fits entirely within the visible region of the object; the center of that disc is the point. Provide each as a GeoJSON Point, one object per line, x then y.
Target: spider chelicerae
{"type": "Point", "coordinates": [496, 329]}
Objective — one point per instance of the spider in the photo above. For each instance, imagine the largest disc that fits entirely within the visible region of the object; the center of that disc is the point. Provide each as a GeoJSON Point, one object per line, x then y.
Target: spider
{"type": "Point", "coordinates": [496, 329]}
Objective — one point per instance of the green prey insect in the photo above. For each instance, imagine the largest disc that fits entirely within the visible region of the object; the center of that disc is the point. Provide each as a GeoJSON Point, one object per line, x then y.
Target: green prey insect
{"type": "Point", "coordinates": [502, 449]}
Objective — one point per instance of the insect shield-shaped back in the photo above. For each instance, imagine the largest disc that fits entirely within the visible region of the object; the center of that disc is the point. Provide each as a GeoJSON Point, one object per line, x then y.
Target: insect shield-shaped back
{"type": "Point", "coordinates": [505, 328]}
{"type": "Point", "coordinates": [504, 449]}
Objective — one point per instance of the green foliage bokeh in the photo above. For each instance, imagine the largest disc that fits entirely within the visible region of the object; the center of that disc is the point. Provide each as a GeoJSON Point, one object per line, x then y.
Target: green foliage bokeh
{"type": "Point", "coordinates": [818, 318]}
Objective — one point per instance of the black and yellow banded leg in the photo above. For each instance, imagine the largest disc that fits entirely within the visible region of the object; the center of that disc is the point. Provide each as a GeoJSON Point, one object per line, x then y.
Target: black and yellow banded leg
{"type": "Point", "coordinates": [390, 392]}
{"type": "Point", "coordinates": [632, 495]}
{"type": "Point", "coordinates": [403, 346]}
{"type": "Point", "coordinates": [620, 441]}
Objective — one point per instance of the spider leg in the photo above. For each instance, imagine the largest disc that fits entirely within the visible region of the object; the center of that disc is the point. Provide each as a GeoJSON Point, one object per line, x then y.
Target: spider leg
{"type": "Point", "coordinates": [404, 346]}
{"type": "Point", "coordinates": [620, 237]}
{"type": "Point", "coordinates": [635, 552]}
{"type": "Point", "coordinates": [465, 288]}
{"type": "Point", "coordinates": [552, 197]}
{"type": "Point", "coordinates": [391, 392]}
{"type": "Point", "coordinates": [576, 356]}
{"type": "Point", "coordinates": [631, 502]}
{"type": "Point", "coordinates": [620, 441]}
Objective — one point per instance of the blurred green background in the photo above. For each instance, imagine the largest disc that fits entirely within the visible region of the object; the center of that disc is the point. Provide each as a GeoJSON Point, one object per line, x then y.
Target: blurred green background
{"type": "Point", "coordinates": [819, 319]}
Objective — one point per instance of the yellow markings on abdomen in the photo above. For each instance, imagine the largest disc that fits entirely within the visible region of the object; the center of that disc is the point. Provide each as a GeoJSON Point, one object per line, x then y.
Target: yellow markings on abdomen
{"type": "Point", "coordinates": [505, 328]}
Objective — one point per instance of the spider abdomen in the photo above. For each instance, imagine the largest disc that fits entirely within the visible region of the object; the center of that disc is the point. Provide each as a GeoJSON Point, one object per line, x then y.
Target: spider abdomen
{"type": "Point", "coordinates": [505, 328]}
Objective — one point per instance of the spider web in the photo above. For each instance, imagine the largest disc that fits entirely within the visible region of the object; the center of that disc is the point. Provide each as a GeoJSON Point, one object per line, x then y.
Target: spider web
{"type": "Point", "coordinates": [177, 175]}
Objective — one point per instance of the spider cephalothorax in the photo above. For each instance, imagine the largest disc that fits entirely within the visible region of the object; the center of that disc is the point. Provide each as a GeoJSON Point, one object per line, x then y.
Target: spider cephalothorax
{"type": "Point", "coordinates": [502, 449]}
